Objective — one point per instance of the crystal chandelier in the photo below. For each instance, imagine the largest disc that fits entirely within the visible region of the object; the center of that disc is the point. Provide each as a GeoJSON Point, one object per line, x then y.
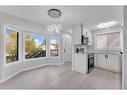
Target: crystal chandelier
{"type": "Point", "coordinates": [54, 28]}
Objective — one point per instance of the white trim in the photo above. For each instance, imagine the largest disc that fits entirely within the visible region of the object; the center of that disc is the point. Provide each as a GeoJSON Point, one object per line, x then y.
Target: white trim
{"type": "Point", "coordinates": [30, 68]}
{"type": "Point", "coordinates": [107, 69]}
{"type": "Point", "coordinates": [34, 59]}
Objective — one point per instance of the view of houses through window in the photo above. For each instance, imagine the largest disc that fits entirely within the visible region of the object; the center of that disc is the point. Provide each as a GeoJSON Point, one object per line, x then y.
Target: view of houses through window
{"type": "Point", "coordinates": [54, 45]}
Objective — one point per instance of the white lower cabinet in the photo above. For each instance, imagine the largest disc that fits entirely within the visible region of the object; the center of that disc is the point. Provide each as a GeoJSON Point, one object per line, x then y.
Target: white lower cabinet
{"type": "Point", "coordinates": [114, 63]}
{"type": "Point", "coordinates": [80, 63]}
{"type": "Point", "coordinates": [100, 60]}
{"type": "Point", "coordinates": [110, 62]}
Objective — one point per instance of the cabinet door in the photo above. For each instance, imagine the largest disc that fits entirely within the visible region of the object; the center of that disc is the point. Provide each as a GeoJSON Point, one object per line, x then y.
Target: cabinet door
{"type": "Point", "coordinates": [100, 60]}
{"type": "Point", "coordinates": [77, 34]}
{"type": "Point", "coordinates": [114, 63]}
{"type": "Point", "coordinates": [80, 62]}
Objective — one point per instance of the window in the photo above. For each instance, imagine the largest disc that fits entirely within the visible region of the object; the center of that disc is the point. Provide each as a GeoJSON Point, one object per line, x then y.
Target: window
{"type": "Point", "coordinates": [101, 42]}
{"type": "Point", "coordinates": [35, 46]}
{"type": "Point", "coordinates": [12, 44]}
{"type": "Point", "coordinates": [54, 45]}
{"type": "Point", "coordinates": [108, 41]}
{"type": "Point", "coordinates": [114, 41]}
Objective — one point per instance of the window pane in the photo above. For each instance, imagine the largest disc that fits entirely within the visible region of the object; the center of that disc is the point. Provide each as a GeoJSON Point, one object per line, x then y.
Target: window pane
{"type": "Point", "coordinates": [54, 45]}
{"type": "Point", "coordinates": [114, 41]}
{"type": "Point", "coordinates": [101, 41]}
{"type": "Point", "coordinates": [35, 46]}
{"type": "Point", "coordinates": [11, 46]}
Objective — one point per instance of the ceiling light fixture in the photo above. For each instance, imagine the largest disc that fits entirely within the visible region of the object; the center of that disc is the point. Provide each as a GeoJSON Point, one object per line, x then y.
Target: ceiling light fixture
{"type": "Point", "coordinates": [54, 13]}
{"type": "Point", "coordinates": [54, 28]}
{"type": "Point", "coordinates": [107, 24]}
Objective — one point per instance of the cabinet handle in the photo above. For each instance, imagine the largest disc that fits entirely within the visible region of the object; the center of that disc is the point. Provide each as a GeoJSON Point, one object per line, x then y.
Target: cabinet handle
{"type": "Point", "coordinates": [106, 56]}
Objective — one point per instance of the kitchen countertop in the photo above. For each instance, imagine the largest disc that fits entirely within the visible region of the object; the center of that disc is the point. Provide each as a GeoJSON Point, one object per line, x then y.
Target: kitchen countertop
{"type": "Point", "coordinates": [102, 52]}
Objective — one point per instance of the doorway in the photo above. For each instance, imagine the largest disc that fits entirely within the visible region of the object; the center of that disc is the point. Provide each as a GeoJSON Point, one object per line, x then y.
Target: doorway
{"type": "Point", "coordinates": [67, 47]}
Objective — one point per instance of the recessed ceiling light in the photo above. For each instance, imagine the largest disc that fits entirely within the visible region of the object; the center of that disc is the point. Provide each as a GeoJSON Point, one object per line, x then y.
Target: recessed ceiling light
{"type": "Point", "coordinates": [54, 13]}
{"type": "Point", "coordinates": [107, 24]}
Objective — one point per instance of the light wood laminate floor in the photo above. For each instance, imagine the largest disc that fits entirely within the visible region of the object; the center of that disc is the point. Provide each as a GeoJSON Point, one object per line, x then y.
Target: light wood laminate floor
{"type": "Point", "coordinates": [62, 77]}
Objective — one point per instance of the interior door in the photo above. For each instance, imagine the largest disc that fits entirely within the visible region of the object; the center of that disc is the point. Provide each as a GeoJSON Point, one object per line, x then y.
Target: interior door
{"type": "Point", "coordinates": [67, 48]}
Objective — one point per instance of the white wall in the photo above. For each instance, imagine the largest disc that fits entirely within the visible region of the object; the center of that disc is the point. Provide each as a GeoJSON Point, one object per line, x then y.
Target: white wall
{"type": "Point", "coordinates": [23, 26]}
{"type": "Point", "coordinates": [125, 50]}
{"type": "Point", "coordinates": [0, 53]}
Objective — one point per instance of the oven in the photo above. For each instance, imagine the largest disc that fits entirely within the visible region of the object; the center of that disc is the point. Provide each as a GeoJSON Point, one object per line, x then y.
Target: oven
{"type": "Point", "coordinates": [90, 62]}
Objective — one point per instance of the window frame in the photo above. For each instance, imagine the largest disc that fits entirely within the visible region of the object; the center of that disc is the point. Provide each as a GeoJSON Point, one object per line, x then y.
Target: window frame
{"type": "Point", "coordinates": [58, 44]}
{"type": "Point", "coordinates": [24, 34]}
{"type": "Point", "coordinates": [19, 45]}
{"type": "Point", "coordinates": [108, 33]}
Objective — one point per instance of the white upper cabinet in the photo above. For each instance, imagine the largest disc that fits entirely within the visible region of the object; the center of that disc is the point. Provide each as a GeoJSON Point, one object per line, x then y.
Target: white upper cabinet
{"type": "Point", "coordinates": [77, 32]}
{"type": "Point", "coordinates": [80, 30]}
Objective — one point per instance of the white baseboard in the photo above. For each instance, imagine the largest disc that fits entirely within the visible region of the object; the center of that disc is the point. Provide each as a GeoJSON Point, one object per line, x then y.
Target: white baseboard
{"type": "Point", "coordinates": [30, 68]}
{"type": "Point", "coordinates": [107, 69]}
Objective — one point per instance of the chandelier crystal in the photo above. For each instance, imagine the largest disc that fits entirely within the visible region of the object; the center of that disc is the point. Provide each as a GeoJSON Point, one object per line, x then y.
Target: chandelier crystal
{"type": "Point", "coordinates": [54, 28]}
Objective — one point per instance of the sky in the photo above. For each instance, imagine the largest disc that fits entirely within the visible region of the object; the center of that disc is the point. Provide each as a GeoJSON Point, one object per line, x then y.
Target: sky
{"type": "Point", "coordinates": [8, 31]}
{"type": "Point", "coordinates": [54, 39]}
{"type": "Point", "coordinates": [39, 39]}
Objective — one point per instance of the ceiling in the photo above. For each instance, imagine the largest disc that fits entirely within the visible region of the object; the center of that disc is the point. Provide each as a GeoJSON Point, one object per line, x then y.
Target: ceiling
{"type": "Point", "coordinates": [90, 16]}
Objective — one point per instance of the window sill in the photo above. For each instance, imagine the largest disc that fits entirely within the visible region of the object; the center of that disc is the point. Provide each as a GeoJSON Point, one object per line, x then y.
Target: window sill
{"type": "Point", "coordinates": [33, 59]}
{"type": "Point", "coordinates": [12, 63]}
{"type": "Point", "coordinates": [54, 57]}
